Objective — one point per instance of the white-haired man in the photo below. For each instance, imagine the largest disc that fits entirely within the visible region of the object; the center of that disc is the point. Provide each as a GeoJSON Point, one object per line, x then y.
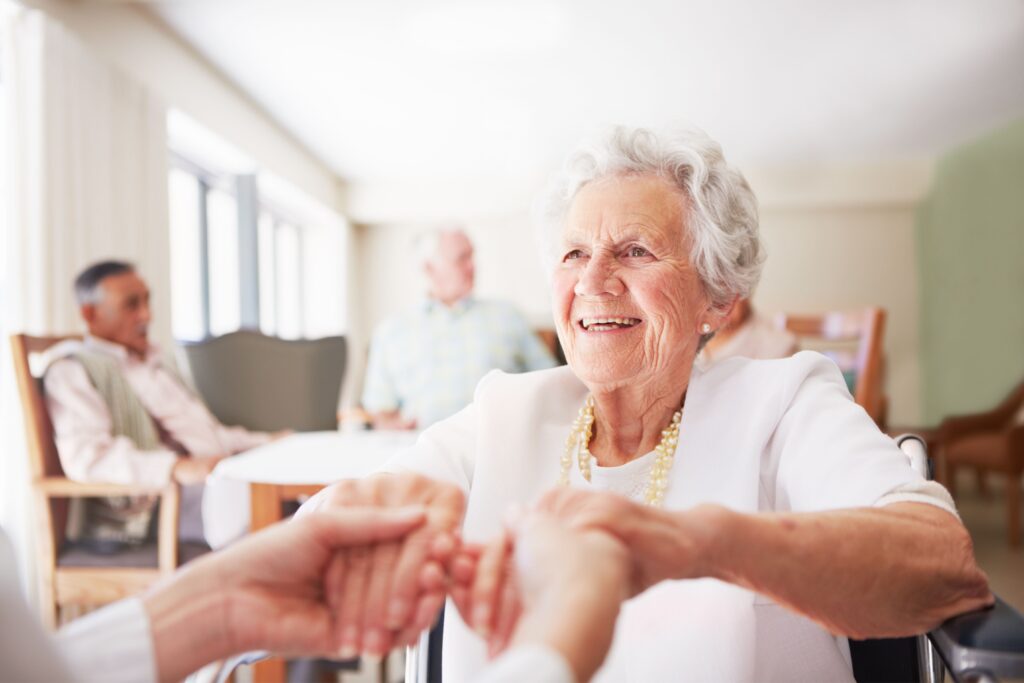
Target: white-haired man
{"type": "Point", "coordinates": [424, 364]}
{"type": "Point", "coordinates": [120, 415]}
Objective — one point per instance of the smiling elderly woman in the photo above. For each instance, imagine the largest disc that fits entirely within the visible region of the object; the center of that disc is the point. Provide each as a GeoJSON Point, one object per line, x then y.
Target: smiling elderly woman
{"type": "Point", "coordinates": [771, 518]}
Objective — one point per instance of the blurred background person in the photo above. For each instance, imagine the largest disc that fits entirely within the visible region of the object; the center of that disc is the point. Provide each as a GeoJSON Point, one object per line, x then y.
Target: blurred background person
{"type": "Point", "coordinates": [122, 415]}
{"type": "Point", "coordinates": [425, 363]}
{"type": "Point", "coordinates": [748, 335]}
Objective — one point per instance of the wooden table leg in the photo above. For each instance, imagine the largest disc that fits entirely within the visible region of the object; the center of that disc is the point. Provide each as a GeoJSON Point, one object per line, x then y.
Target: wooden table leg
{"type": "Point", "coordinates": [264, 510]}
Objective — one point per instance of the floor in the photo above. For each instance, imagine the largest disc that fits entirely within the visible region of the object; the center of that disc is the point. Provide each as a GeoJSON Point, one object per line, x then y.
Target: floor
{"type": "Point", "coordinates": [985, 517]}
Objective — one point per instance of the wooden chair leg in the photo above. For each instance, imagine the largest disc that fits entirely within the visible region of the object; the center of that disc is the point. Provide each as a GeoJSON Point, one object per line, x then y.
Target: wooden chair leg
{"type": "Point", "coordinates": [1013, 508]}
{"type": "Point", "coordinates": [979, 476]}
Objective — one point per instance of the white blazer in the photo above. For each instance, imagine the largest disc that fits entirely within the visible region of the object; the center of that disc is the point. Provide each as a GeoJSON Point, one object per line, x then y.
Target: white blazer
{"type": "Point", "coordinates": [756, 435]}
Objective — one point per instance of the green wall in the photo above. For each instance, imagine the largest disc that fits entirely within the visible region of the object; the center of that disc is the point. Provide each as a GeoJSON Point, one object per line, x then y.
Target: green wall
{"type": "Point", "coordinates": [970, 241]}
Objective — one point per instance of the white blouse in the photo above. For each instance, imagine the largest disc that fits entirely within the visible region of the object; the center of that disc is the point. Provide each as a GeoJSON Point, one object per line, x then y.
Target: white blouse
{"type": "Point", "coordinates": [756, 435]}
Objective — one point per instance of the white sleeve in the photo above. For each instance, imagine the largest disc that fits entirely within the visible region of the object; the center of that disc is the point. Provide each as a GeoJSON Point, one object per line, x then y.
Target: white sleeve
{"type": "Point", "coordinates": [828, 454]}
{"type": "Point", "coordinates": [112, 645]}
{"type": "Point", "coordinates": [927, 492]}
{"type": "Point", "coordinates": [528, 663]}
{"type": "Point", "coordinates": [444, 451]}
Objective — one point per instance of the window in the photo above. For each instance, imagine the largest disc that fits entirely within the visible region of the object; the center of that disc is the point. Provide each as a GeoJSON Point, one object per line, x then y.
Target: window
{"type": "Point", "coordinates": [223, 267]}
{"type": "Point", "coordinates": [187, 298]}
{"type": "Point", "coordinates": [282, 273]}
{"type": "Point", "coordinates": [205, 292]}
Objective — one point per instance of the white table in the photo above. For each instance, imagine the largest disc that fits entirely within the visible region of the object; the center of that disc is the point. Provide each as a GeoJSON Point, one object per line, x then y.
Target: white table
{"type": "Point", "coordinates": [246, 491]}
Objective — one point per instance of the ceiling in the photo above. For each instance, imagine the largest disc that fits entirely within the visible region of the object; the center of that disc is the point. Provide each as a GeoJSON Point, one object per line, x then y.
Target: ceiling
{"type": "Point", "coordinates": [410, 90]}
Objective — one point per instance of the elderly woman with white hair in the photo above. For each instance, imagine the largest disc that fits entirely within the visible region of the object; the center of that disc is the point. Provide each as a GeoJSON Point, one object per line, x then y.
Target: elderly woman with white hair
{"type": "Point", "coordinates": [767, 517]}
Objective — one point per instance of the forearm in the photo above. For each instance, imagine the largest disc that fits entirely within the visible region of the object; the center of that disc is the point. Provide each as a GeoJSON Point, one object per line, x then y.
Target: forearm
{"type": "Point", "coordinates": [187, 617]}
{"type": "Point", "coordinates": [114, 460]}
{"type": "Point", "coordinates": [869, 572]}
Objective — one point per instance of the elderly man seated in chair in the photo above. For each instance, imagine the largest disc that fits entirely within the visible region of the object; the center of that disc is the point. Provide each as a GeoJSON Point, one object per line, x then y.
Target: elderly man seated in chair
{"type": "Point", "coordinates": [121, 415]}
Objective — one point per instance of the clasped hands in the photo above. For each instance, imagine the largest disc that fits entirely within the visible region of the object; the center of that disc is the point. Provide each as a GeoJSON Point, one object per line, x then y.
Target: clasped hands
{"type": "Point", "coordinates": [571, 540]}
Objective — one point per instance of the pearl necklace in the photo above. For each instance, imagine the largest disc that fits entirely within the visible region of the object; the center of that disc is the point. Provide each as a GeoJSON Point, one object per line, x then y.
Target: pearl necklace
{"type": "Point", "coordinates": [579, 442]}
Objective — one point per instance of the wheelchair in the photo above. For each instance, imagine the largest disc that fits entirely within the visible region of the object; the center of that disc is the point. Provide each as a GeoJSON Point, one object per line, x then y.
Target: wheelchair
{"type": "Point", "coordinates": [977, 647]}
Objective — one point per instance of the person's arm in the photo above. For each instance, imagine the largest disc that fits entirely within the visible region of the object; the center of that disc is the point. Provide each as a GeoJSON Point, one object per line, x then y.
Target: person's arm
{"type": "Point", "coordinates": [238, 439]}
{"type": "Point", "coordinates": [391, 419]}
{"type": "Point", "coordinates": [83, 432]}
{"type": "Point", "coordinates": [869, 572]}
{"type": "Point", "coordinates": [380, 396]}
{"type": "Point", "coordinates": [883, 572]}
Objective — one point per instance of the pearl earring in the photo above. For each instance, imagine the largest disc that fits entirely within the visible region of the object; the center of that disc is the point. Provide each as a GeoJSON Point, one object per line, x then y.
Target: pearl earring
{"type": "Point", "coordinates": [705, 328]}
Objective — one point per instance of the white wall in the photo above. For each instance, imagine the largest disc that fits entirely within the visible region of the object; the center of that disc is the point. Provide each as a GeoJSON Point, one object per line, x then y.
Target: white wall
{"type": "Point", "coordinates": [837, 238]}
{"type": "Point", "coordinates": [131, 39]}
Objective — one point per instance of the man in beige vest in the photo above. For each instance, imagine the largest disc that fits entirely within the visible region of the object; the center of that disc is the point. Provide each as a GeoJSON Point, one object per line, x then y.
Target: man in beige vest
{"type": "Point", "coordinates": [121, 415]}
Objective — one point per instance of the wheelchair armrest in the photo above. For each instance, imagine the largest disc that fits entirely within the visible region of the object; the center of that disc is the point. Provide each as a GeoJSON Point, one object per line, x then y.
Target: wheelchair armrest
{"type": "Point", "coordinates": [987, 641]}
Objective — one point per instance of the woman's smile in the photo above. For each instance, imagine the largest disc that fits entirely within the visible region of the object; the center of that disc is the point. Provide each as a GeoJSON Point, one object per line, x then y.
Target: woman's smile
{"type": "Point", "coordinates": [605, 324]}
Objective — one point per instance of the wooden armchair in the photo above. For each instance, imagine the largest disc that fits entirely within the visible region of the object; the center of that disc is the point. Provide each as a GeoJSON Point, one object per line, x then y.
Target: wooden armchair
{"type": "Point", "coordinates": [70, 576]}
{"type": "Point", "coordinates": [854, 340]}
{"type": "Point", "coordinates": [990, 441]}
{"type": "Point", "coordinates": [549, 336]}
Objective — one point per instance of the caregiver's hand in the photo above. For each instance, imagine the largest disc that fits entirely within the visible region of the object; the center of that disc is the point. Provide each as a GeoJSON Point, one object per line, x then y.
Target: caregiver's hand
{"type": "Point", "coordinates": [268, 591]}
{"type": "Point", "coordinates": [394, 591]}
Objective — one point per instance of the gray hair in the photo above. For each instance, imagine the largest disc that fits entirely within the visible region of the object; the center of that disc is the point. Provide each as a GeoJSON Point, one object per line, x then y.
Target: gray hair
{"type": "Point", "coordinates": [87, 284]}
{"type": "Point", "coordinates": [722, 220]}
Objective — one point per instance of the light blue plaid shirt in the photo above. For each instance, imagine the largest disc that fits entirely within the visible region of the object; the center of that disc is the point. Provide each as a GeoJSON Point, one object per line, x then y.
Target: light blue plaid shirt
{"type": "Point", "coordinates": [427, 362]}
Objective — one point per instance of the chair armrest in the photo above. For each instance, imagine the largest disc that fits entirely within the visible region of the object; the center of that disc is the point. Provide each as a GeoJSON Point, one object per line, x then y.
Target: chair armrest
{"type": "Point", "coordinates": [958, 426]}
{"type": "Point", "coordinates": [62, 487]}
{"type": "Point", "coordinates": [988, 641]}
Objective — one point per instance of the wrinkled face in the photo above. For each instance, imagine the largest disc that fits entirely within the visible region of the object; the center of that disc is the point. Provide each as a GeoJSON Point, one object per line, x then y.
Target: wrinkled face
{"type": "Point", "coordinates": [627, 302]}
{"type": "Point", "coordinates": [451, 270]}
{"type": "Point", "coordinates": [122, 313]}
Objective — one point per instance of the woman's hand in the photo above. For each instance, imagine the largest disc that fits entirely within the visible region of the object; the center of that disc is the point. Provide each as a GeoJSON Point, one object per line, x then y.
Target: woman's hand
{"type": "Point", "coordinates": [662, 544]}
{"type": "Point", "coordinates": [485, 591]}
{"type": "Point", "coordinates": [545, 582]}
{"type": "Point", "coordinates": [268, 591]}
{"type": "Point", "coordinates": [394, 591]}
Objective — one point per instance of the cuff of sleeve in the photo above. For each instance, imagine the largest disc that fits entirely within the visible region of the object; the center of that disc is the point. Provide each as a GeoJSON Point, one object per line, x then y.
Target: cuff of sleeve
{"type": "Point", "coordinates": [533, 662]}
{"type": "Point", "coordinates": [927, 492]}
{"type": "Point", "coordinates": [112, 644]}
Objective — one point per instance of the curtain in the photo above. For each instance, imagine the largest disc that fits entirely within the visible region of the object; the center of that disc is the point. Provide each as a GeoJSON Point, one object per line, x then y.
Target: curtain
{"type": "Point", "coordinates": [86, 174]}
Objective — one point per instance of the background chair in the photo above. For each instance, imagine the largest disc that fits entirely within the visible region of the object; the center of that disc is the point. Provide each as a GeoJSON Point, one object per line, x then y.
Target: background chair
{"type": "Point", "coordinates": [68, 574]}
{"type": "Point", "coordinates": [990, 441]}
{"type": "Point", "coordinates": [853, 339]}
{"type": "Point", "coordinates": [265, 383]}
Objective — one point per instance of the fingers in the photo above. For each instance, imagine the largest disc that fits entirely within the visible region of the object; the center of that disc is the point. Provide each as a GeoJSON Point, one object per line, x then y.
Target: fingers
{"type": "Point", "coordinates": [405, 583]}
{"type": "Point", "coordinates": [433, 578]}
{"type": "Point", "coordinates": [424, 616]}
{"type": "Point", "coordinates": [358, 526]}
{"type": "Point", "coordinates": [487, 585]}
{"type": "Point", "coordinates": [376, 637]}
{"type": "Point", "coordinates": [508, 616]}
{"type": "Point", "coordinates": [356, 580]}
